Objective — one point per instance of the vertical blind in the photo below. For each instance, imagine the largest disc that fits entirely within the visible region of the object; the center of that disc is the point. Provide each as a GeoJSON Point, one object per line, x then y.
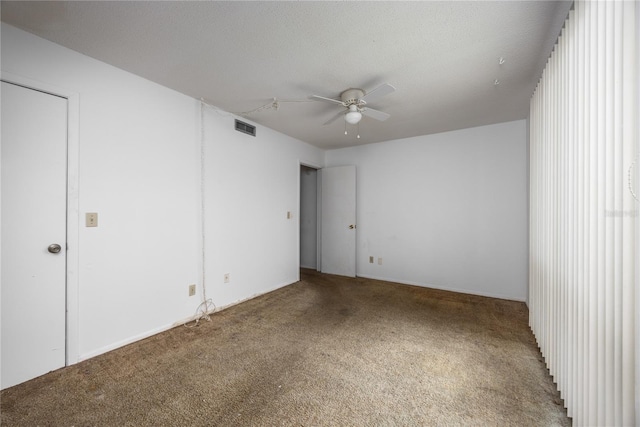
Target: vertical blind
{"type": "Point", "coordinates": [584, 212]}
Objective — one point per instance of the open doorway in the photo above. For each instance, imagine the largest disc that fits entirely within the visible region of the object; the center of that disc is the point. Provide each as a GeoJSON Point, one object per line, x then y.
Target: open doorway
{"type": "Point", "coordinates": [308, 217]}
{"type": "Point", "coordinates": [327, 227]}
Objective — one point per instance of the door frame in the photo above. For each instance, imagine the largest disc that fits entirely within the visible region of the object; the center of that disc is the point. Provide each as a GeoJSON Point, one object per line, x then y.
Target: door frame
{"type": "Point", "coordinates": [72, 348]}
{"type": "Point", "coordinates": [318, 168]}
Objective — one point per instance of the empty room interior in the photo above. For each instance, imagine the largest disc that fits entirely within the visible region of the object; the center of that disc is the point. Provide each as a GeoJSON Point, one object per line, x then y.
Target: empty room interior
{"type": "Point", "coordinates": [320, 213]}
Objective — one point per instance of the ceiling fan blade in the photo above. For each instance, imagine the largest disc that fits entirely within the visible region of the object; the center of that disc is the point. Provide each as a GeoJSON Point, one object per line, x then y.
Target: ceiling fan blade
{"type": "Point", "coordinates": [334, 118]}
{"type": "Point", "coordinates": [379, 92]}
{"type": "Point", "coordinates": [375, 114]}
{"type": "Point", "coordinates": [322, 98]}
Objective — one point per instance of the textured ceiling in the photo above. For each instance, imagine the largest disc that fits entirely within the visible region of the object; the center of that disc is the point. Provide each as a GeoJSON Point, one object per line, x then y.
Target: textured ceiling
{"type": "Point", "coordinates": [442, 57]}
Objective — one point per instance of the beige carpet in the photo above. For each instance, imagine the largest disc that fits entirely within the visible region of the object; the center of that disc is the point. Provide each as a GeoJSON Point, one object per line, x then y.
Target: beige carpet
{"type": "Point", "coordinates": [324, 351]}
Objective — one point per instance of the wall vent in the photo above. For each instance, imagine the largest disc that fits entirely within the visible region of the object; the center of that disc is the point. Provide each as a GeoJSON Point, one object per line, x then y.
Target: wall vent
{"type": "Point", "coordinates": [245, 128]}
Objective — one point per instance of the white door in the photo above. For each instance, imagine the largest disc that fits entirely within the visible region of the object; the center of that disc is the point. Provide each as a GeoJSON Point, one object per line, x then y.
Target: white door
{"type": "Point", "coordinates": [34, 191]}
{"type": "Point", "coordinates": [338, 230]}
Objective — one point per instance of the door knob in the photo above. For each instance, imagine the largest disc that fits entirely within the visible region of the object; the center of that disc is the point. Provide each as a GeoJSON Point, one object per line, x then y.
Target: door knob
{"type": "Point", "coordinates": [54, 248]}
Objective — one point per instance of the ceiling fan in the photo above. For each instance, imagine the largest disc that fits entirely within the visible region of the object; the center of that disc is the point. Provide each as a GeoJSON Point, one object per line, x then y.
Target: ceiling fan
{"type": "Point", "coordinates": [355, 101]}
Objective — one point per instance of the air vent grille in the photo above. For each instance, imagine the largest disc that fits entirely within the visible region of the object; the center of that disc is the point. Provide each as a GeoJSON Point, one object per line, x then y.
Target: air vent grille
{"type": "Point", "coordinates": [245, 128]}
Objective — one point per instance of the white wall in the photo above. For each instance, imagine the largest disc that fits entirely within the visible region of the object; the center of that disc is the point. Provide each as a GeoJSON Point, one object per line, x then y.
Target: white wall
{"type": "Point", "coordinates": [308, 217]}
{"type": "Point", "coordinates": [252, 182]}
{"type": "Point", "coordinates": [139, 168]}
{"type": "Point", "coordinates": [446, 211]}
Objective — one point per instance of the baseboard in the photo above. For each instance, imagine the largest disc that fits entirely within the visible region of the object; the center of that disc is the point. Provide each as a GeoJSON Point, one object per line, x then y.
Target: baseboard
{"type": "Point", "coordinates": [189, 319]}
{"type": "Point", "coordinates": [182, 322]}
{"type": "Point", "coordinates": [444, 288]}
{"type": "Point", "coordinates": [124, 342]}
{"type": "Point", "coordinates": [223, 307]}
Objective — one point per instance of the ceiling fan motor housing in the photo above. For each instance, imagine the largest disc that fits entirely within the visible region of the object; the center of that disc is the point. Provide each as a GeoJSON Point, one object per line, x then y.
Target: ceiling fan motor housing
{"type": "Point", "coordinates": [355, 100]}
{"type": "Point", "coordinates": [352, 97]}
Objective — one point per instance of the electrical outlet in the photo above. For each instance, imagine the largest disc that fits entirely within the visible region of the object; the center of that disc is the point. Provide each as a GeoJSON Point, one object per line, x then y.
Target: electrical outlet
{"type": "Point", "coordinates": [91, 219]}
{"type": "Point", "coordinates": [227, 277]}
{"type": "Point", "coordinates": [379, 261]}
{"type": "Point", "coordinates": [192, 290]}
{"type": "Point", "coordinates": [370, 260]}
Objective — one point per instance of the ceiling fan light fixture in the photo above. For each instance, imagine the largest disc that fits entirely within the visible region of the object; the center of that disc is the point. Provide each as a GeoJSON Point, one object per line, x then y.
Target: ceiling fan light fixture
{"type": "Point", "coordinates": [353, 116]}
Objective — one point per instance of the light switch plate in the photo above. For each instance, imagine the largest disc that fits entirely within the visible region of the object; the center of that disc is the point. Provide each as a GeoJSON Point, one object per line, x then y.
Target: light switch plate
{"type": "Point", "coordinates": [91, 219]}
